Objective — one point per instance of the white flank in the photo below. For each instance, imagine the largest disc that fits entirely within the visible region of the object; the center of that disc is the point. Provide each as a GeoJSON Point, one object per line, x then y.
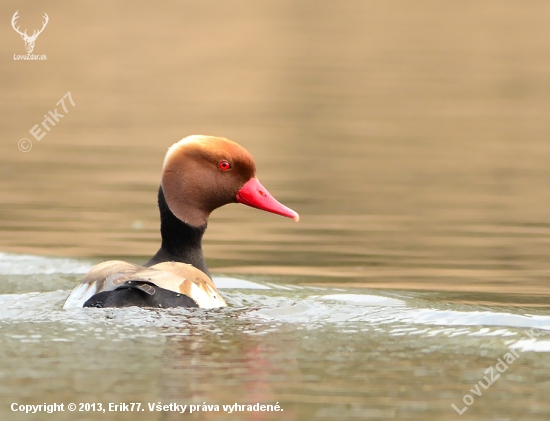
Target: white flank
{"type": "Point", "coordinates": [210, 299]}
{"type": "Point", "coordinates": [80, 295]}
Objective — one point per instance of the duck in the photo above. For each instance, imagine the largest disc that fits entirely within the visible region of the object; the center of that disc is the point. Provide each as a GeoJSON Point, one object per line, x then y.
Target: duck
{"type": "Point", "coordinates": [199, 174]}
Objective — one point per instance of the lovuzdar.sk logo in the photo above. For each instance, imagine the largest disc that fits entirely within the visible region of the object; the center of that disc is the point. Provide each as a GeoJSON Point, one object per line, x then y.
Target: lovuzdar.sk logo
{"type": "Point", "coordinates": [29, 39]}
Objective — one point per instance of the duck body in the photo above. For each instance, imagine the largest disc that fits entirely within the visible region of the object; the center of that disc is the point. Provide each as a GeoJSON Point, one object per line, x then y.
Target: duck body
{"type": "Point", "coordinates": [200, 174]}
{"type": "Point", "coordinates": [121, 284]}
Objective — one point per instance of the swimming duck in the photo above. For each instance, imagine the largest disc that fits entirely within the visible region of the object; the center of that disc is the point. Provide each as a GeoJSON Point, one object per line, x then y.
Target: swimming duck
{"type": "Point", "coordinates": [200, 174]}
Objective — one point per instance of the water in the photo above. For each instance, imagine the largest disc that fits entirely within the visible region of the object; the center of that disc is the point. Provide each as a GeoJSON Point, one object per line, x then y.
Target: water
{"type": "Point", "coordinates": [320, 352]}
{"type": "Point", "coordinates": [412, 139]}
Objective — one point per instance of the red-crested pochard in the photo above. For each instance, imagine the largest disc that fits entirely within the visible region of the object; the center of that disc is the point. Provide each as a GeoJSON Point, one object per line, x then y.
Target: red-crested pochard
{"type": "Point", "coordinates": [200, 174]}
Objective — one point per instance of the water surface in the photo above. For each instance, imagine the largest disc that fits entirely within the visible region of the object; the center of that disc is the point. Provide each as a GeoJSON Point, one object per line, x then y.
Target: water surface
{"type": "Point", "coordinates": [411, 137]}
{"type": "Point", "coordinates": [320, 352]}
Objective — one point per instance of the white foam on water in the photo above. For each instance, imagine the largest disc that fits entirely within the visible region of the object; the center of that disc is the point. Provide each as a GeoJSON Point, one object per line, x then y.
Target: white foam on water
{"type": "Point", "coordinates": [266, 305]}
{"type": "Point", "coordinates": [235, 283]}
{"type": "Point", "coordinates": [367, 300]}
{"type": "Point", "coordinates": [533, 345]}
{"type": "Point", "coordinates": [24, 264]}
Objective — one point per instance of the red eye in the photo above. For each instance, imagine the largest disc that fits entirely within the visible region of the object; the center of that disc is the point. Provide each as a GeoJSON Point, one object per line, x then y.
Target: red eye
{"type": "Point", "coordinates": [224, 165]}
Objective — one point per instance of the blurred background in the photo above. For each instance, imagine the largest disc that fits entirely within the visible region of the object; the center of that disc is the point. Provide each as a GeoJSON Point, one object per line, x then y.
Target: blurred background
{"type": "Point", "coordinates": [412, 137]}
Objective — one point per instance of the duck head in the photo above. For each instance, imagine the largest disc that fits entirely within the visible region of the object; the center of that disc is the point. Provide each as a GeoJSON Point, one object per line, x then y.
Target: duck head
{"type": "Point", "coordinates": [203, 173]}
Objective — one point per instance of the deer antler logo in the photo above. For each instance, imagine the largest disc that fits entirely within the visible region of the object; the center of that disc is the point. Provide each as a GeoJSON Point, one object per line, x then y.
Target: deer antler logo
{"type": "Point", "coordinates": [29, 40]}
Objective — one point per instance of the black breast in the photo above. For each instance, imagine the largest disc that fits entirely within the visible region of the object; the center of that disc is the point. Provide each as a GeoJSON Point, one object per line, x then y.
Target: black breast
{"type": "Point", "coordinates": [127, 296]}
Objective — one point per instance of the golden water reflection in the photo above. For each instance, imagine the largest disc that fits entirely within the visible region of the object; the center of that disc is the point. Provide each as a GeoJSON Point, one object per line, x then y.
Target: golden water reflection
{"type": "Point", "coordinates": [412, 139]}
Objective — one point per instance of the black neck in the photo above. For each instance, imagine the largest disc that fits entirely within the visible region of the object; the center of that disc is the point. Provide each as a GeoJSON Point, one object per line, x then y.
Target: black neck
{"type": "Point", "coordinates": [181, 242]}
